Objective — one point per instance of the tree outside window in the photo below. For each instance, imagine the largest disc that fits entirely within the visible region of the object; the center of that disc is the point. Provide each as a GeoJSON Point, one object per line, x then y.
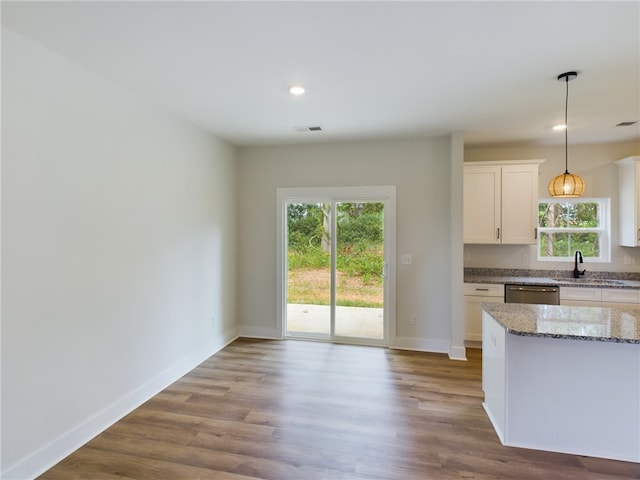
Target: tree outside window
{"type": "Point", "coordinates": [568, 225]}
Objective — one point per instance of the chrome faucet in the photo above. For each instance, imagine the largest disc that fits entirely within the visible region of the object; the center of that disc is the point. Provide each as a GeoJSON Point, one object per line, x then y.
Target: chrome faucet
{"type": "Point", "coordinates": [577, 258]}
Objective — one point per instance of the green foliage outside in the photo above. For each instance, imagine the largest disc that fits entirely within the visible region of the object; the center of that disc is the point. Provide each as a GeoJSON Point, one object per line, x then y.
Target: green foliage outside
{"type": "Point", "coordinates": [304, 226]}
{"type": "Point", "coordinates": [360, 256]}
{"type": "Point", "coordinates": [569, 215]}
{"type": "Point", "coordinates": [565, 244]}
{"type": "Point", "coordinates": [573, 217]}
{"type": "Point", "coordinates": [362, 260]}
{"type": "Point", "coordinates": [307, 257]}
{"type": "Point", "coordinates": [367, 262]}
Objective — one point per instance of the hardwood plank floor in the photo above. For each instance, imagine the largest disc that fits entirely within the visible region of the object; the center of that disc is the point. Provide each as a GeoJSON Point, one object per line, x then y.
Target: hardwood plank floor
{"type": "Point", "coordinates": [302, 410]}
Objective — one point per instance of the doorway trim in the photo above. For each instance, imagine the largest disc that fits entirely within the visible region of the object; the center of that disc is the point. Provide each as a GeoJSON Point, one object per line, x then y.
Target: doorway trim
{"type": "Point", "coordinates": [386, 194]}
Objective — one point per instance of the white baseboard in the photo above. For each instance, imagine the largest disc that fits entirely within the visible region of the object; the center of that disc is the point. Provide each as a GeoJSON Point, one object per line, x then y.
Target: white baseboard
{"type": "Point", "coordinates": [457, 352]}
{"type": "Point", "coordinates": [46, 457]}
{"type": "Point", "coordinates": [421, 344]}
{"type": "Point", "coordinates": [259, 332]}
{"type": "Point", "coordinates": [400, 343]}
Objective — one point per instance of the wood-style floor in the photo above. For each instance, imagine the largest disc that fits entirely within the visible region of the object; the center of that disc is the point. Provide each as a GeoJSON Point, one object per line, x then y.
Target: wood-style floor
{"type": "Point", "coordinates": [303, 410]}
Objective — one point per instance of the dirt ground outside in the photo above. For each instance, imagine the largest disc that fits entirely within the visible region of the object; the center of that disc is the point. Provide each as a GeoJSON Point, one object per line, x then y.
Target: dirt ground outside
{"type": "Point", "coordinates": [312, 286]}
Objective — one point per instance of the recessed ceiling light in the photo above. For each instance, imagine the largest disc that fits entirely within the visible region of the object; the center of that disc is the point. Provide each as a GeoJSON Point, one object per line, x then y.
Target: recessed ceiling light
{"type": "Point", "coordinates": [559, 127]}
{"type": "Point", "coordinates": [296, 89]}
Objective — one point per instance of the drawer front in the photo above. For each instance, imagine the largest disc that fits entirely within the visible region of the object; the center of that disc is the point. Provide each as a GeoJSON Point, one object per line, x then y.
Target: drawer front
{"type": "Point", "coordinates": [484, 289]}
{"type": "Point", "coordinates": [619, 295]}
{"type": "Point", "coordinates": [580, 293]}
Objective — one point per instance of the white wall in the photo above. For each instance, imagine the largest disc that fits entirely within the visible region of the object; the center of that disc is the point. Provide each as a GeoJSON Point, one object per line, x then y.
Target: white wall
{"type": "Point", "coordinates": [420, 169]}
{"type": "Point", "coordinates": [594, 163]}
{"type": "Point", "coordinates": [118, 248]}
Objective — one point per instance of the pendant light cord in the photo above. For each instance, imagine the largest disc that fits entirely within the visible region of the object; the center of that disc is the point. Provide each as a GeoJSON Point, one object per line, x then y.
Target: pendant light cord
{"type": "Point", "coordinates": [566, 127]}
{"type": "Point", "coordinates": [566, 184]}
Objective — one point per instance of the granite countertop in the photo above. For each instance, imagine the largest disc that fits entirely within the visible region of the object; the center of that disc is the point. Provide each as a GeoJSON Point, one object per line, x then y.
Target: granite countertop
{"type": "Point", "coordinates": [621, 325]}
{"type": "Point", "coordinates": [563, 282]}
{"type": "Point", "coordinates": [552, 278]}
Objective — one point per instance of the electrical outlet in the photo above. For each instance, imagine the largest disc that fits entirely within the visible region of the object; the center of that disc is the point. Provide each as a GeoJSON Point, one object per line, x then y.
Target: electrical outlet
{"type": "Point", "coordinates": [414, 319]}
{"type": "Point", "coordinates": [628, 259]}
{"type": "Point", "coordinates": [466, 256]}
{"type": "Point", "coordinates": [525, 258]}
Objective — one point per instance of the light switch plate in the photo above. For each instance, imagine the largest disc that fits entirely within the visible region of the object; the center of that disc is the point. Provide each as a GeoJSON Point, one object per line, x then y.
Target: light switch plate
{"type": "Point", "coordinates": [407, 259]}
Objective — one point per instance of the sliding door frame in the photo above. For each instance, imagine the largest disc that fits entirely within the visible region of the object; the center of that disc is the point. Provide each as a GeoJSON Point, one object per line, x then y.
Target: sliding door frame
{"type": "Point", "coordinates": [385, 194]}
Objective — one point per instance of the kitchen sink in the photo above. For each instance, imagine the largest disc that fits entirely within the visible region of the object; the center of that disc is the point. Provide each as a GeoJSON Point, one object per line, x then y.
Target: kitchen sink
{"type": "Point", "coordinates": [590, 281]}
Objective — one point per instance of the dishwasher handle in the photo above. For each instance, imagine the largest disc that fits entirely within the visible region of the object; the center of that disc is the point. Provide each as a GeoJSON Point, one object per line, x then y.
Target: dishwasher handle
{"type": "Point", "coordinates": [533, 289]}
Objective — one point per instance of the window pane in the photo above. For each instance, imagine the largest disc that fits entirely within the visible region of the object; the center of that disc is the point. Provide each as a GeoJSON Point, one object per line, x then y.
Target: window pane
{"type": "Point", "coordinates": [554, 244]}
{"type": "Point", "coordinates": [587, 243]}
{"type": "Point", "coordinates": [565, 244]}
{"type": "Point", "coordinates": [569, 215]}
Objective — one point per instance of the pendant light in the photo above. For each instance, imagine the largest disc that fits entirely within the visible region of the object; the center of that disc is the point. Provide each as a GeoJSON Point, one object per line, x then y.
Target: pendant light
{"type": "Point", "coordinates": [566, 184]}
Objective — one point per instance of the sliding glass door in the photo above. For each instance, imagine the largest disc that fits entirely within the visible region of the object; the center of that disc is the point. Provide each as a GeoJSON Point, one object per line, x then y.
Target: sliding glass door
{"type": "Point", "coordinates": [335, 268]}
{"type": "Point", "coordinates": [359, 270]}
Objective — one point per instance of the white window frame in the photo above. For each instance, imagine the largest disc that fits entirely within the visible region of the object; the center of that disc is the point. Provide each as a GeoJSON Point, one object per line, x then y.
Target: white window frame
{"type": "Point", "coordinates": [604, 231]}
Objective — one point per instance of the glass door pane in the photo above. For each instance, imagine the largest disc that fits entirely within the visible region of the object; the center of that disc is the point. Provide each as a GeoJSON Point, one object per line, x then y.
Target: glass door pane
{"type": "Point", "coordinates": [359, 265]}
{"type": "Point", "coordinates": [308, 270]}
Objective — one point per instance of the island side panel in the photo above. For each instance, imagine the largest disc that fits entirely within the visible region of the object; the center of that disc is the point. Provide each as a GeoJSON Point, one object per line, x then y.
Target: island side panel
{"type": "Point", "coordinates": [493, 372]}
{"type": "Point", "coordinates": [573, 396]}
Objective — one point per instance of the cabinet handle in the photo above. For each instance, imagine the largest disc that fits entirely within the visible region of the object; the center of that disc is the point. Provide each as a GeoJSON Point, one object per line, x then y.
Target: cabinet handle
{"type": "Point", "coordinates": [639, 235]}
{"type": "Point", "coordinates": [535, 233]}
{"type": "Point", "coordinates": [498, 233]}
{"type": "Point", "coordinates": [482, 289]}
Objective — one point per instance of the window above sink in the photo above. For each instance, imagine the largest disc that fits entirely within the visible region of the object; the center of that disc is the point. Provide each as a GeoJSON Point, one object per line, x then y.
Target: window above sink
{"type": "Point", "coordinates": [572, 224]}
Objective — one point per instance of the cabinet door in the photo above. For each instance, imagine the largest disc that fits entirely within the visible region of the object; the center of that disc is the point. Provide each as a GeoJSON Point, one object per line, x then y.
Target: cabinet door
{"type": "Point", "coordinates": [519, 204]}
{"type": "Point", "coordinates": [629, 201]}
{"type": "Point", "coordinates": [481, 204]}
{"type": "Point", "coordinates": [620, 297]}
{"type": "Point", "coordinates": [494, 372]}
{"type": "Point", "coordinates": [581, 296]}
{"type": "Point", "coordinates": [473, 316]}
{"type": "Point", "coordinates": [475, 295]}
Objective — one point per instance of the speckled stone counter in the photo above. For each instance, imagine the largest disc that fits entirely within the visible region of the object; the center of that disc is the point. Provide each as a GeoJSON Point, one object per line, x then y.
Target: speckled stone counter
{"type": "Point", "coordinates": [620, 325]}
{"type": "Point", "coordinates": [563, 282]}
{"type": "Point", "coordinates": [625, 280]}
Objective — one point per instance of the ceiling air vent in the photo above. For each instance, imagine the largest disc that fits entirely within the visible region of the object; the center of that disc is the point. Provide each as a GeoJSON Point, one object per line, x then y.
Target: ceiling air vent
{"type": "Point", "coordinates": [625, 124]}
{"type": "Point", "coordinates": [308, 129]}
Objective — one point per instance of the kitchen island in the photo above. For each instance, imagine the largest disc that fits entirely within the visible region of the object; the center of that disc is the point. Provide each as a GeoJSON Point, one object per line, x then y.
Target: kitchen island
{"type": "Point", "coordinates": [563, 379]}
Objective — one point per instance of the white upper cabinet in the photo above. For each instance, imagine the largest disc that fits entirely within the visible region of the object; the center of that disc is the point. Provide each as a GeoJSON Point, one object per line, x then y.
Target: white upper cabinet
{"type": "Point", "coordinates": [482, 200]}
{"type": "Point", "coordinates": [501, 202]}
{"type": "Point", "coordinates": [629, 201]}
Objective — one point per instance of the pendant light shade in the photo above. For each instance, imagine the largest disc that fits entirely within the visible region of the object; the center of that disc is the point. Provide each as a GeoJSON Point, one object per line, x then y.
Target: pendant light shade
{"type": "Point", "coordinates": [566, 184]}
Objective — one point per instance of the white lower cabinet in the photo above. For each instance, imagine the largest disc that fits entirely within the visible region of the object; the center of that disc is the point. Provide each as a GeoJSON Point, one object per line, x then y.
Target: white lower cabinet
{"type": "Point", "coordinates": [618, 297]}
{"type": "Point", "coordinates": [474, 295]}
{"type": "Point", "coordinates": [599, 297]}
{"type": "Point", "coordinates": [581, 296]}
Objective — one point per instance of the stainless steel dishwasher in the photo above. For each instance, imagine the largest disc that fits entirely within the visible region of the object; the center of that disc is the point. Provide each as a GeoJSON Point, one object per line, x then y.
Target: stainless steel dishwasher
{"type": "Point", "coordinates": [541, 294]}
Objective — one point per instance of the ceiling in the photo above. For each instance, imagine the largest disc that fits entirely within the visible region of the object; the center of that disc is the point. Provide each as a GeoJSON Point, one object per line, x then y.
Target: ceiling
{"type": "Point", "coordinates": [371, 69]}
